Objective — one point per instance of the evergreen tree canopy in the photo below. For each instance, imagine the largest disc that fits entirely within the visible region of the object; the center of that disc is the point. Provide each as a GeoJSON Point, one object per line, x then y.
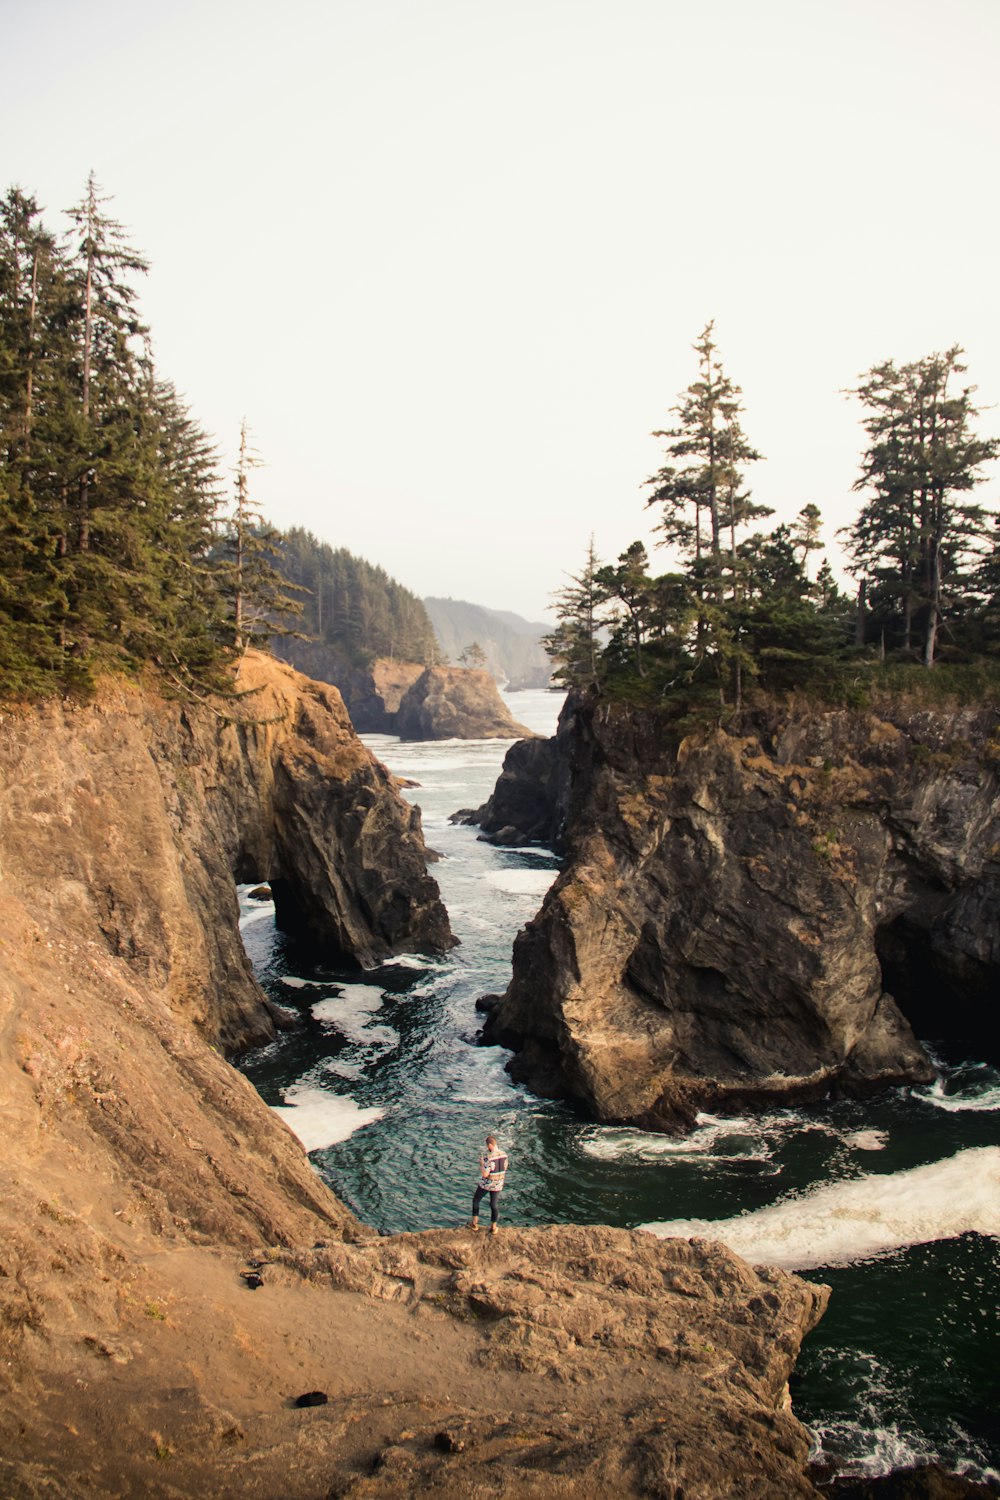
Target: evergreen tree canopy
{"type": "Point", "coordinates": [108, 487]}
{"type": "Point", "coordinates": [918, 539]}
{"type": "Point", "coordinates": [745, 608]}
{"type": "Point", "coordinates": [354, 605]}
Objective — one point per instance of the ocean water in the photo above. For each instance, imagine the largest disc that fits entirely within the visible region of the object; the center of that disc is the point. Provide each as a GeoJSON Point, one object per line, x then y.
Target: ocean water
{"type": "Point", "coordinates": [894, 1202]}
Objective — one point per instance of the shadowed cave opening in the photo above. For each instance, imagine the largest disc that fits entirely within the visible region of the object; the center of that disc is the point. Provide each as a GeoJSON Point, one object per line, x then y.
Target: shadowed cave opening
{"type": "Point", "coordinates": [948, 997]}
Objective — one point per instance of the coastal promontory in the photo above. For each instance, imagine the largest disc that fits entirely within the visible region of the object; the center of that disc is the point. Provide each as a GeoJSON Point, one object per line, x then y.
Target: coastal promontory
{"type": "Point", "coordinates": [185, 1308]}
{"type": "Point", "coordinates": [756, 913]}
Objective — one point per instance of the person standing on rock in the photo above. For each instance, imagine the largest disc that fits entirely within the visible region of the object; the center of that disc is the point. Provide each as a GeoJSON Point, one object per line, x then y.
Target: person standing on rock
{"type": "Point", "coordinates": [492, 1170]}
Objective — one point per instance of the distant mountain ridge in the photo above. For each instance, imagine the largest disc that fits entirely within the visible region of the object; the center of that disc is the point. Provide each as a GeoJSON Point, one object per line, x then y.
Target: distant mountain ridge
{"type": "Point", "coordinates": [512, 645]}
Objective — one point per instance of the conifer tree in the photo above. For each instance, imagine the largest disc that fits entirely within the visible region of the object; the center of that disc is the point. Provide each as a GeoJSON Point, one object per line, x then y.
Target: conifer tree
{"type": "Point", "coordinates": [705, 506]}
{"type": "Point", "coordinates": [473, 657]}
{"type": "Point", "coordinates": [628, 585]}
{"type": "Point", "coordinates": [573, 645]}
{"type": "Point", "coordinates": [103, 261]}
{"type": "Point", "coordinates": [260, 598]}
{"type": "Point", "coordinates": [917, 539]}
{"type": "Point", "coordinates": [805, 533]}
{"type": "Point", "coordinates": [702, 497]}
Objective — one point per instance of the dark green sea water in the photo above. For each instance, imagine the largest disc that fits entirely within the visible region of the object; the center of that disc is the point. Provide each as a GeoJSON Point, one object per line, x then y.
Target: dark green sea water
{"type": "Point", "coordinates": [895, 1202]}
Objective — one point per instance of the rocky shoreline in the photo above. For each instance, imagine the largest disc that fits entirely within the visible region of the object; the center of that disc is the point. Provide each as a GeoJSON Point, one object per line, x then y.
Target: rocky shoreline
{"type": "Point", "coordinates": [142, 1174]}
{"type": "Point", "coordinates": [741, 908]}
{"type": "Point", "coordinates": [185, 1309]}
{"type": "Point", "coordinates": [416, 702]}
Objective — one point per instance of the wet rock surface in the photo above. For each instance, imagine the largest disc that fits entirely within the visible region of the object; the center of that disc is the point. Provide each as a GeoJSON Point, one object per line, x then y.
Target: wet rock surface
{"type": "Point", "coordinates": [924, 1482]}
{"type": "Point", "coordinates": [528, 803]}
{"type": "Point", "coordinates": [735, 903]}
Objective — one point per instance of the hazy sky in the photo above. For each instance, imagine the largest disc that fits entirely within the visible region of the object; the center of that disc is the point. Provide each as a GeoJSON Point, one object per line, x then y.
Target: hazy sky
{"type": "Point", "coordinates": [449, 258]}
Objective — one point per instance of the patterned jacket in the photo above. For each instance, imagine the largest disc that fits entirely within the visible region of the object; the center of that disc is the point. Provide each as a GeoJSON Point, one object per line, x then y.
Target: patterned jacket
{"type": "Point", "coordinates": [494, 1171]}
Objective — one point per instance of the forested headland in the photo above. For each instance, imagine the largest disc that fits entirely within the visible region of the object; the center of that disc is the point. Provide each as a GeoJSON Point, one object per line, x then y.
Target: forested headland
{"type": "Point", "coordinates": [744, 609]}
{"type": "Point", "coordinates": [123, 546]}
{"type": "Point", "coordinates": [354, 605]}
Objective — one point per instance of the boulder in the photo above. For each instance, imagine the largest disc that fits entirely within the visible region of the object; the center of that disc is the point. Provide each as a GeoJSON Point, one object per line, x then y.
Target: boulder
{"type": "Point", "coordinates": [455, 703]}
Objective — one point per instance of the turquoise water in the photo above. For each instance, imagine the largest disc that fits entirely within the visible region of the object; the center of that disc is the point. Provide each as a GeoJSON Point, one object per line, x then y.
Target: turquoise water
{"type": "Point", "coordinates": [894, 1202]}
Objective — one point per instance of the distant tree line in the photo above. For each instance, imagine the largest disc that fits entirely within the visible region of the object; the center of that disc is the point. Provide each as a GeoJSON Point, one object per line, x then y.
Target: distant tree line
{"type": "Point", "coordinates": [746, 606]}
{"type": "Point", "coordinates": [353, 605]}
{"type": "Point", "coordinates": [121, 546]}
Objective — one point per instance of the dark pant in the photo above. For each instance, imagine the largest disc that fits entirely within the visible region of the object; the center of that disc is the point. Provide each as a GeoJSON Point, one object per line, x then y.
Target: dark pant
{"type": "Point", "coordinates": [477, 1198]}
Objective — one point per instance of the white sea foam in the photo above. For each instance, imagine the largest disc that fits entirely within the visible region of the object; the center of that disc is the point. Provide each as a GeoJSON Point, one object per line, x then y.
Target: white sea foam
{"type": "Point", "coordinates": [350, 1012]}
{"type": "Point", "coordinates": [321, 1119]}
{"type": "Point", "coordinates": [611, 1143]}
{"type": "Point", "coordinates": [295, 983]}
{"type": "Point", "coordinates": [264, 913]}
{"type": "Point", "coordinates": [983, 1094]}
{"type": "Point", "coordinates": [866, 1140]}
{"type": "Point", "coordinates": [848, 1221]}
{"type": "Point", "coordinates": [867, 1449]}
{"type": "Point", "coordinates": [521, 882]}
{"type": "Point", "coordinates": [341, 1069]}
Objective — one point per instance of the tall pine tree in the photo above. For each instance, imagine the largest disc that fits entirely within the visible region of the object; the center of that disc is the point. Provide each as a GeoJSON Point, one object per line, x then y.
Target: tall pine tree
{"type": "Point", "coordinates": [918, 537]}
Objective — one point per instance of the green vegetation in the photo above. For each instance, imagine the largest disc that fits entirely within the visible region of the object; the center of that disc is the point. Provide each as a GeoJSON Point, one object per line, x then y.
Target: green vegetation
{"type": "Point", "coordinates": [108, 489]}
{"type": "Point", "coordinates": [121, 548]}
{"type": "Point", "coordinates": [742, 610]}
{"type": "Point", "coordinates": [354, 606]}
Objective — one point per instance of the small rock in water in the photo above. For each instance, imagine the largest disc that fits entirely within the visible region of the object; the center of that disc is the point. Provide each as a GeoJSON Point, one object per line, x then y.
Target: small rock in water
{"type": "Point", "coordinates": [260, 893]}
{"type": "Point", "coordinates": [312, 1398]}
{"type": "Point", "coordinates": [486, 1003]}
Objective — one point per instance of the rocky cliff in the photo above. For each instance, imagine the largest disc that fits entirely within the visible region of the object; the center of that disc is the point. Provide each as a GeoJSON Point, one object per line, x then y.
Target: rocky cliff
{"type": "Point", "coordinates": [142, 1179]}
{"type": "Point", "coordinates": [749, 916]}
{"type": "Point", "coordinates": [455, 703]}
{"type": "Point", "coordinates": [128, 820]}
{"type": "Point", "coordinates": [528, 805]}
{"type": "Point", "coordinates": [408, 699]}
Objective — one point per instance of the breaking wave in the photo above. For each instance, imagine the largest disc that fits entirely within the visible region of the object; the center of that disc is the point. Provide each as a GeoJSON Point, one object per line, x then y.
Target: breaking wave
{"type": "Point", "coordinates": [842, 1222]}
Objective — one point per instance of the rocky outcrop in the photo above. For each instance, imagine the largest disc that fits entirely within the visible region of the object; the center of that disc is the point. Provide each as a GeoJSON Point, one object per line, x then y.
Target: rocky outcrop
{"type": "Point", "coordinates": [371, 694]}
{"type": "Point", "coordinates": [408, 699]}
{"type": "Point", "coordinates": [528, 805]}
{"type": "Point", "coordinates": [125, 821]}
{"type": "Point", "coordinates": [178, 1289]}
{"type": "Point", "coordinates": [513, 646]}
{"type": "Point", "coordinates": [455, 703]}
{"type": "Point", "coordinates": [739, 906]}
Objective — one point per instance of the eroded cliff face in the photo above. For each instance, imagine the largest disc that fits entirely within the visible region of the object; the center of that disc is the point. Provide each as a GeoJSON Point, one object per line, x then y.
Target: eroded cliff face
{"type": "Point", "coordinates": [125, 821]}
{"type": "Point", "coordinates": [735, 905]}
{"type": "Point", "coordinates": [455, 703]}
{"type": "Point", "coordinates": [141, 1173]}
{"type": "Point", "coordinates": [408, 699]}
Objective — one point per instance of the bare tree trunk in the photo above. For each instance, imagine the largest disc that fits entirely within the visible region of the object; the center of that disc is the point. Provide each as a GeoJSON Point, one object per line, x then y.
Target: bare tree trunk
{"type": "Point", "coordinates": [83, 513]}
{"type": "Point", "coordinates": [934, 613]}
{"type": "Point", "coordinates": [29, 385]}
{"type": "Point", "coordinates": [88, 316]}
